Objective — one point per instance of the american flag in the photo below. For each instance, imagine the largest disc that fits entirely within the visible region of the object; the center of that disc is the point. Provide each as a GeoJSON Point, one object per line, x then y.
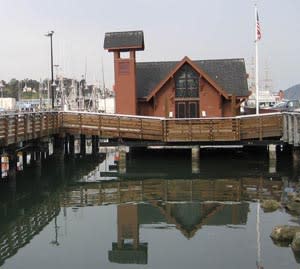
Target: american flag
{"type": "Point", "coordinates": [258, 31]}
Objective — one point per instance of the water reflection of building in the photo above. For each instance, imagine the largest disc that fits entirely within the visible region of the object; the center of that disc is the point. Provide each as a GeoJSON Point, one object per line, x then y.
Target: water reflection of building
{"type": "Point", "coordinates": [187, 217]}
{"type": "Point", "coordinates": [128, 249]}
{"type": "Point", "coordinates": [191, 216]}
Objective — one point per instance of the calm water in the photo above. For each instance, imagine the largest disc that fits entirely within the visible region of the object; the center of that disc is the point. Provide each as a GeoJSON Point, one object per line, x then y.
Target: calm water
{"type": "Point", "coordinates": [159, 214]}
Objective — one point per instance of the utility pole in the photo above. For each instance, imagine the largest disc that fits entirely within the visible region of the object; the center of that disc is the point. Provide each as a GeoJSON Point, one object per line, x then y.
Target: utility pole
{"type": "Point", "coordinates": [50, 34]}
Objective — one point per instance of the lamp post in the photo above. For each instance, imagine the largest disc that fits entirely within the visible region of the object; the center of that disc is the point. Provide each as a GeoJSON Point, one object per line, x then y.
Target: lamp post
{"type": "Point", "coordinates": [50, 34]}
{"type": "Point", "coordinates": [1, 88]}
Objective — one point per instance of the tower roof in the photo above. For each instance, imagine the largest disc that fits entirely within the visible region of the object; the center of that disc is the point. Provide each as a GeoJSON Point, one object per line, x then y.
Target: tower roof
{"type": "Point", "coordinates": [124, 41]}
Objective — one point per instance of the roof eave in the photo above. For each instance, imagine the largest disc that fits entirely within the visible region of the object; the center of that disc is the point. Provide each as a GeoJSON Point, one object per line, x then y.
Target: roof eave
{"type": "Point", "coordinates": [127, 48]}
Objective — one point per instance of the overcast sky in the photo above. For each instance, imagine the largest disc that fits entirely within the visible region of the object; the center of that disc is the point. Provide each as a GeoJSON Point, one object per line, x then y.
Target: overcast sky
{"type": "Point", "coordinates": [199, 29]}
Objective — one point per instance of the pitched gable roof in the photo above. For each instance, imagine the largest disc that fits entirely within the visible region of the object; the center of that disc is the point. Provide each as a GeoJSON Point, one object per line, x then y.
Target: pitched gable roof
{"type": "Point", "coordinates": [124, 40]}
{"type": "Point", "coordinates": [228, 75]}
{"type": "Point", "coordinates": [149, 74]}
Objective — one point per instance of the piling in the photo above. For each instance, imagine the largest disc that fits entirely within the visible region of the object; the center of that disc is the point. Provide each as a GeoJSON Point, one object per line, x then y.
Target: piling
{"type": "Point", "coordinates": [82, 144]}
{"type": "Point", "coordinates": [195, 151]}
{"type": "Point", "coordinates": [95, 144]}
{"type": "Point", "coordinates": [272, 158]}
{"type": "Point", "coordinates": [122, 160]}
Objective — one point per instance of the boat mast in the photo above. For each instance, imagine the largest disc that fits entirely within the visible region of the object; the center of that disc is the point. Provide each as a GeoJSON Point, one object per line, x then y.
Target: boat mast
{"type": "Point", "coordinates": [104, 90]}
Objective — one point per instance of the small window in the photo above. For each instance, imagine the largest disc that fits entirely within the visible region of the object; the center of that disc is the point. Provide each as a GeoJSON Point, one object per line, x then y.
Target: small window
{"type": "Point", "coordinates": [124, 54]}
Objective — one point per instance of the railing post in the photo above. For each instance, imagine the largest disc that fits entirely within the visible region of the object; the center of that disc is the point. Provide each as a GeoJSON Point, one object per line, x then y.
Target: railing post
{"type": "Point", "coordinates": [237, 129]}
{"type": "Point", "coordinates": [25, 126]}
{"type": "Point", "coordinates": [190, 131]}
{"type": "Point", "coordinates": [164, 130]}
{"type": "Point", "coordinates": [211, 130]}
{"type": "Point", "coordinates": [80, 122]}
{"type": "Point", "coordinates": [53, 122]}
{"type": "Point", "coordinates": [290, 130]}
{"type": "Point", "coordinates": [33, 125]}
{"type": "Point", "coordinates": [61, 123]}
{"type": "Point", "coordinates": [141, 129]}
{"type": "Point", "coordinates": [99, 125]}
{"type": "Point", "coordinates": [47, 123]}
{"type": "Point", "coordinates": [296, 132]}
{"type": "Point", "coordinates": [41, 123]}
{"type": "Point", "coordinates": [6, 128]}
{"type": "Point", "coordinates": [260, 127]}
{"type": "Point", "coordinates": [285, 127]}
{"type": "Point", "coordinates": [16, 127]}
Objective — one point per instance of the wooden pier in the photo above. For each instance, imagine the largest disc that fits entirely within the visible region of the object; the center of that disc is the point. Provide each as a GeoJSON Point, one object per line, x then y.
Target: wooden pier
{"type": "Point", "coordinates": [174, 130]}
{"type": "Point", "coordinates": [20, 127]}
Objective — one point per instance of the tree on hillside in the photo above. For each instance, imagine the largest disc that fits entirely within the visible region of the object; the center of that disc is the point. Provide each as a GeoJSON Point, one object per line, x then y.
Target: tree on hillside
{"type": "Point", "coordinates": [12, 88]}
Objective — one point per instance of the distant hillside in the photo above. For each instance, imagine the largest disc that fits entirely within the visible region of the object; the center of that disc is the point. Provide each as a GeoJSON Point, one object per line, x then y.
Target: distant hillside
{"type": "Point", "coordinates": [292, 92]}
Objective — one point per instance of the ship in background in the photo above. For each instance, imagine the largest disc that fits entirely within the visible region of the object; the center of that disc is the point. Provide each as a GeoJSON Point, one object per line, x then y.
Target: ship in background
{"type": "Point", "coordinates": [73, 95]}
{"type": "Point", "coordinates": [69, 95]}
{"type": "Point", "coordinates": [267, 96]}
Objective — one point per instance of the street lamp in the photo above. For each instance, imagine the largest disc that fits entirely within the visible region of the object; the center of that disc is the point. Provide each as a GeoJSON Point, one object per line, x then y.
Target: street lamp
{"type": "Point", "coordinates": [50, 34]}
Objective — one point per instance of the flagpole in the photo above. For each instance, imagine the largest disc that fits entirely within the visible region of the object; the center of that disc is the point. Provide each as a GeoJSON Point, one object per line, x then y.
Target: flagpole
{"type": "Point", "coordinates": [256, 63]}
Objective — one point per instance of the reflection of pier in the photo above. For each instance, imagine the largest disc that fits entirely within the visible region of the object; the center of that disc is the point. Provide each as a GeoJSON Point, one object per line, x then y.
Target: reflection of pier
{"type": "Point", "coordinates": [33, 201]}
{"type": "Point", "coordinates": [116, 192]}
{"type": "Point", "coordinates": [179, 203]}
{"type": "Point", "coordinates": [20, 231]}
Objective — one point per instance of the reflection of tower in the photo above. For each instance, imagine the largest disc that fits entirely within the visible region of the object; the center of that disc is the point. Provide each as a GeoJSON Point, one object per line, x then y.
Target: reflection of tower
{"type": "Point", "coordinates": [128, 249]}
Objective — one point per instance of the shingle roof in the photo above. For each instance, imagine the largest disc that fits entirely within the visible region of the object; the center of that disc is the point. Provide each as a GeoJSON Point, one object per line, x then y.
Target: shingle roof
{"type": "Point", "coordinates": [124, 40]}
{"type": "Point", "coordinates": [229, 74]}
{"type": "Point", "coordinates": [148, 75]}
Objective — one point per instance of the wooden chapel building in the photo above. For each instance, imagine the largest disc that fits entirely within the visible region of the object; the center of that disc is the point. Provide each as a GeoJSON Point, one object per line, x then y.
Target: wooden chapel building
{"type": "Point", "coordinates": [181, 89]}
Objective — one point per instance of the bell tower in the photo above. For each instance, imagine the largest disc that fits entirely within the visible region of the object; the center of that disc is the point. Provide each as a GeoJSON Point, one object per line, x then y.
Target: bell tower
{"type": "Point", "coordinates": [124, 46]}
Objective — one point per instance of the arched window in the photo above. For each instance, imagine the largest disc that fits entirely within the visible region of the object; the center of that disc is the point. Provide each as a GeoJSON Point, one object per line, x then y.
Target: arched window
{"type": "Point", "coordinates": [186, 82]}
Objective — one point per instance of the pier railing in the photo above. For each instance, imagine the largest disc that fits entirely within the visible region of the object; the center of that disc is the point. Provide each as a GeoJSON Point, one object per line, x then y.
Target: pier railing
{"type": "Point", "coordinates": [18, 127]}
{"type": "Point", "coordinates": [174, 130]}
{"type": "Point", "coordinates": [291, 128]}
{"type": "Point", "coordinates": [174, 190]}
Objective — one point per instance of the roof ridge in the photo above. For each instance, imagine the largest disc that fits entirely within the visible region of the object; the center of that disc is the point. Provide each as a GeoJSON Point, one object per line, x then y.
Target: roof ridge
{"type": "Point", "coordinates": [129, 31]}
{"type": "Point", "coordinates": [156, 62]}
{"type": "Point", "coordinates": [204, 60]}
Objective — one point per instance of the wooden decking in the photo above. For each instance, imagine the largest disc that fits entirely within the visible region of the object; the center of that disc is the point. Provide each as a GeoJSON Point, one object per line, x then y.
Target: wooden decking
{"type": "Point", "coordinates": [25, 126]}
